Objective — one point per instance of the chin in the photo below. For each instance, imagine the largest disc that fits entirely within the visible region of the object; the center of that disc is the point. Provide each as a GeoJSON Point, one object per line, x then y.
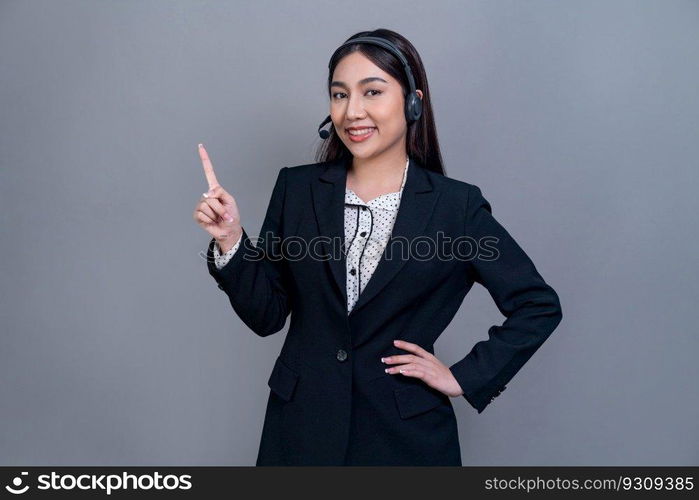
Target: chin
{"type": "Point", "coordinates": [362, 154]}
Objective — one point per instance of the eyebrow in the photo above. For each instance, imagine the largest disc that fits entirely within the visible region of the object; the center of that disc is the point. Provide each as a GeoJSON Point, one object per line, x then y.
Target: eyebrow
{"type": "Point", "coordinates": [361, 82]}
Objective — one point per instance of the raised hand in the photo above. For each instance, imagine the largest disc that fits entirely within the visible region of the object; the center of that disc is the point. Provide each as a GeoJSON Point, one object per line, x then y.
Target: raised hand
{"type": "Point", "coordinates": [216, 211]}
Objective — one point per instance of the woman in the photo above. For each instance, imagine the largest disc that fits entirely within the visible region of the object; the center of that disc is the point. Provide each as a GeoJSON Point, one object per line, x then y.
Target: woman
{"type": "Point", "coordinates": [372, 250]}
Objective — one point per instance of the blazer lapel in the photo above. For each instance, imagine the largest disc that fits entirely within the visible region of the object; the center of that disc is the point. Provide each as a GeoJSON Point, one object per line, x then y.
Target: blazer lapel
{"type": "Point", "coordinates": [329, 204]}
{"type": "Point", "coordinates": [417, 202]}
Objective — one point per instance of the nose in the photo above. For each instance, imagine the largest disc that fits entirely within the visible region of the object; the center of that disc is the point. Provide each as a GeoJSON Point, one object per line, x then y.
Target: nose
{"type": "Point", "coordinates": [355, 108]}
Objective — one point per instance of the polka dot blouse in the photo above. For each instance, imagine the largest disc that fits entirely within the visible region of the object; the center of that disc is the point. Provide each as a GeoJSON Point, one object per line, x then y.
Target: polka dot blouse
{"type": "Point", "coordinates": [368, 227]}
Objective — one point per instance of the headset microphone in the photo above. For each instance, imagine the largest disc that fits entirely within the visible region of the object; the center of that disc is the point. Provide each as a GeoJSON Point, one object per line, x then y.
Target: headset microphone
{"type": "Point", "coordinates": [324, 134]}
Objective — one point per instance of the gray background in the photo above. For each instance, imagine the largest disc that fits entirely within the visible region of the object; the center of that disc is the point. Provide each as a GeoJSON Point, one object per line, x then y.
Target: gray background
{"type": "Point", "coordinates": [578, 120]}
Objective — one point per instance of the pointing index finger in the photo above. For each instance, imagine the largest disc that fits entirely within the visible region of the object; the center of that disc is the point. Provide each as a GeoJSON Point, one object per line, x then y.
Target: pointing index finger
{"type": "Point", "coordinates": [208, 167]}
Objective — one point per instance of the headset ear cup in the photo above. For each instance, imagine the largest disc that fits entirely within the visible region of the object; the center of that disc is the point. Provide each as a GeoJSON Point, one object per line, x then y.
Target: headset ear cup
{"type": "Point", "coordinates": [413, 107]}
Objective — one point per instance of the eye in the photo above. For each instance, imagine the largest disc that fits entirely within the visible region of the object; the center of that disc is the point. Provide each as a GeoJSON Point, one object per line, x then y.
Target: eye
{"type": "Point", "coordinates": [377, 92]}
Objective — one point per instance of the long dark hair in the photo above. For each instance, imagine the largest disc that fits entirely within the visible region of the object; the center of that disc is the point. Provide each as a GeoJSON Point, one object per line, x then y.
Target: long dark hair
{"type": "Point", "coordinates": [421, 140]}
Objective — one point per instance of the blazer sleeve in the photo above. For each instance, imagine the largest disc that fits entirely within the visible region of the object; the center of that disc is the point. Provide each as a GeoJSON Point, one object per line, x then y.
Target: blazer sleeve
{"type": "Point", "coordinates": [532, 308]}
{"type": "Point", "coordinates": [256, 278]}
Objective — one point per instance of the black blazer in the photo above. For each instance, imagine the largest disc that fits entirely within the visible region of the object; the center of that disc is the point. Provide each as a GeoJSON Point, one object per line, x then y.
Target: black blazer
{"type": "Point", "coordinates": [331, 403]}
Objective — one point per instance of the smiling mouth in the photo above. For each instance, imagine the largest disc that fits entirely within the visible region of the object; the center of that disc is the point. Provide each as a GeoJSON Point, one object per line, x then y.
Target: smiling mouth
{"type": "Point", "coordinates": [360, 132]}
{"type": "Point", "coordinates": [360, 135]}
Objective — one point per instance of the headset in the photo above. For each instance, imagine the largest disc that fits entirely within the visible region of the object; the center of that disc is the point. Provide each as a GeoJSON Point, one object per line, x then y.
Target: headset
{"type": "Point", "coordinates": [413, 103]}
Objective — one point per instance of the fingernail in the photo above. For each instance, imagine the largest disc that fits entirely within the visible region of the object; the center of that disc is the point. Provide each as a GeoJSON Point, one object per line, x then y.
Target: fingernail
{"type": "Point", "coordinates": [205, 195]}
{"type": "Point", "coordinates": [201, 145]}
{"type": "Point", "coordinates": [382, 360]}
{"type": "Point", "coordinates": [229, 218]}
{"type": "Point", "coordinates": [386, 370]}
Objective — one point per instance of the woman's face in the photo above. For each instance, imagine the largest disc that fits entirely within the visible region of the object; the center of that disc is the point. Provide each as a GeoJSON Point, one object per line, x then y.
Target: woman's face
{"type": "Point", "coordinates": [362, 95]}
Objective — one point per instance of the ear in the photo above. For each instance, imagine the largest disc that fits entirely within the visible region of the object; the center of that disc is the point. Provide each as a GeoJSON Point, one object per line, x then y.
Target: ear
{"type": "Point", "coordinates": [419, 92]}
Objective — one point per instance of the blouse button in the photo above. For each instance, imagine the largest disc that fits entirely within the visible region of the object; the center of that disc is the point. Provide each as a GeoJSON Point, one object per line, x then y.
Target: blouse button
{"type": "Point", "coordinates": [353, 271]}
{"type": "Point", "coordinates": [363, 233]}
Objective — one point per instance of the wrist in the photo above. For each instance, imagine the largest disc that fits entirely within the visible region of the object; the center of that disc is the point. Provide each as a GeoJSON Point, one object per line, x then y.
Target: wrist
{"type": "Point", "coordinates": [225, 243]}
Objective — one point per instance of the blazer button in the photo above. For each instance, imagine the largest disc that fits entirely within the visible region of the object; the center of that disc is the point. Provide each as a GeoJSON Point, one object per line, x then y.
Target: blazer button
{"type": "Point", "coordinates": [341, 355]}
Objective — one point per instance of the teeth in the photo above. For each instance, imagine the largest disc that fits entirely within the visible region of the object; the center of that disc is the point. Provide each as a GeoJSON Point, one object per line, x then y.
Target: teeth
{"type": "Point", "coordinates": [363, 131]}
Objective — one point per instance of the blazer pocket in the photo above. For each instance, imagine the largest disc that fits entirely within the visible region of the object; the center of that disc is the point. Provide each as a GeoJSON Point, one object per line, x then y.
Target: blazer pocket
{"type": "Point", "coordinates": [283, 380]}
{"type": "Point", "coordinates": [415, 399]}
